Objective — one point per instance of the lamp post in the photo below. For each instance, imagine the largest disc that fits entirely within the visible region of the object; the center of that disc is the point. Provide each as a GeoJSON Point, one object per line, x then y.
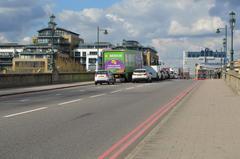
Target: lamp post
{"type": "Point", "coordinates": [52, 25]}
{"type": "Point", "coordinates": [98, 53]}
{"type": "Point", "coordinates": [232, 22]}
{"type": "Point", "coordinates": [225, 41]}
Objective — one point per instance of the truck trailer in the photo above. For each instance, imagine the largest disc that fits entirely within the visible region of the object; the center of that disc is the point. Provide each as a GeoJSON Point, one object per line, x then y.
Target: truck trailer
{"type": "Point", "coordinates": [122, 63]}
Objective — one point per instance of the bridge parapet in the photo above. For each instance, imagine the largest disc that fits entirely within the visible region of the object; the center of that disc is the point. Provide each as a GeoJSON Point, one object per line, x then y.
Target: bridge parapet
{"type": "Point", "coordinates": [37, 79]}
{"type": "Point", "coordinates": [232, 78]}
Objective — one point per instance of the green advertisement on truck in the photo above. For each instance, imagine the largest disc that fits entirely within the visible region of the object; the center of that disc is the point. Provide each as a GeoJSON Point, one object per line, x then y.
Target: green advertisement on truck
{"type": "Point", "coordinates": [122, 62]}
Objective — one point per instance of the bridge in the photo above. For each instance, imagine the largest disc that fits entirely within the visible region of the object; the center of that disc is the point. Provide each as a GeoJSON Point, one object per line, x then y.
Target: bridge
{"type": "Point", "coordinates": [164, 119]}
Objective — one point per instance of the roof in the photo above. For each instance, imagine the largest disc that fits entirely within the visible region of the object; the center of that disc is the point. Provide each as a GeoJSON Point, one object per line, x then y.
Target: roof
{"type": "Point", "coordinates": [10, 45]}
{"type": "Point", "coordinates": [62, 29]}
{"type": "Point", "coordinates": [95, 45]}
{"type": "Point", "coordinates": [150, 48]}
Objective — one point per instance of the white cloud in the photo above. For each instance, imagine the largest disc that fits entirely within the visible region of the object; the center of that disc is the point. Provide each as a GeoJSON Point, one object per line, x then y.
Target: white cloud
{"type": "Point", "coordinates": [3, 39]}
{"type": "Point", "coordinates": [208, 24]}
{"type": "Point", "coordinates": [26, 40]}
{"type": "Point", "coordinates": [178, 29]}
{"type": "Point", "coordinates": [90, 15]}
{"type": "Point", "coordinates": [202, 26]}
{"type": "Point", "coordinates": [126, 25]}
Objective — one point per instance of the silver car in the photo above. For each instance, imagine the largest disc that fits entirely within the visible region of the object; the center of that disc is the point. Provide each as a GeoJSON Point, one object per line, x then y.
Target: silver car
{"type": "Point", "coordinates": [103, 76]}
{"type": "Point", "coordinates": [141, 75]}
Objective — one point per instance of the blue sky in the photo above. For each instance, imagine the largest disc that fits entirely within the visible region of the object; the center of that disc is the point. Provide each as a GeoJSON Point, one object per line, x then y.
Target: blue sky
{"type": "Point", "coordinates": [170, 26]}
{"type": "Point", "coordinates": [81, 4]}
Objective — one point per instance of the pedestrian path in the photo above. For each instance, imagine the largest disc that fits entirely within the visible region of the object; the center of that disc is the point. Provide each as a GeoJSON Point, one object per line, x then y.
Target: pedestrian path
{"type": "Point", "coordinates": [206, 125]}
{"type": "Point", "coordinates": [14, 91]}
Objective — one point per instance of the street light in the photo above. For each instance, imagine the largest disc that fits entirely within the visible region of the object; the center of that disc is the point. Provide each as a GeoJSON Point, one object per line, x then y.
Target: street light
{"type": "Point", "coordinates": [52, 25]}
{"type": "Point", "coordinates": [98, 31]}
{"type": "Point", "coordinates": [232, 22]}
{"type": "Point", "coordinates": [224, 40]}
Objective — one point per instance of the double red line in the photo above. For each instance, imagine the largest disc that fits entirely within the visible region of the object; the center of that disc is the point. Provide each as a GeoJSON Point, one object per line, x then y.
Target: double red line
{"type": "Point", "coordinates": [119, 147]}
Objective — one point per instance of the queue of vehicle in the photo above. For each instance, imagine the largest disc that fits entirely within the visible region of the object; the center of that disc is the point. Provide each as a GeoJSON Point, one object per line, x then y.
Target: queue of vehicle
{"type": "Point", "coordinates": [127, 66]}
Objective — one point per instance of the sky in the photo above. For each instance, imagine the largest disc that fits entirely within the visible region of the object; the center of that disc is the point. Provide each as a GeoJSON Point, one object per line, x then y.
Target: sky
{"type": "Point", "coordinates": [170, 26]}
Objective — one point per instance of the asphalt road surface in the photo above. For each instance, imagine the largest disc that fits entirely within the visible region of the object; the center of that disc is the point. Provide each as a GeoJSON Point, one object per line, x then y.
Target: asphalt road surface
{"type": "Point", "coordinates": [80, 122]}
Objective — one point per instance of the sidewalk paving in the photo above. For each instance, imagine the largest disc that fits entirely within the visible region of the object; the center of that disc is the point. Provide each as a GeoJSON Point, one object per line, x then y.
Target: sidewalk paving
{"type": "Point", "coordinates": [206, 125]}
{"type": "Point", "coordinates": [15, 91]}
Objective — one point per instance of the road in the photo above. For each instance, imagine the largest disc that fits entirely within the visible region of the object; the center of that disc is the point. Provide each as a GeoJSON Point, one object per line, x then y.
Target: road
{"type": "Point", "coordinates": [80, 122]}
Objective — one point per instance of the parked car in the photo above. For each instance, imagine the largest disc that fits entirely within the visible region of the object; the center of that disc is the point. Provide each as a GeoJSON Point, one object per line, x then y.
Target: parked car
{"type": "Point", "coordinates": [141, 75]}
{"type": "Point", "coordinates": [103, 76]}
{"type": "Point", "coordinates": [164, 75]}
{"type": "Point", "coordinates": [154, 71]}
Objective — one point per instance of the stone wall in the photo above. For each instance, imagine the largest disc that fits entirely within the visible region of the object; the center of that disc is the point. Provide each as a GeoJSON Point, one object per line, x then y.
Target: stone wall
{"type": "Point", "coordinates": [232, 78]}
{"type": "Point", "coordinates": [22, 80]}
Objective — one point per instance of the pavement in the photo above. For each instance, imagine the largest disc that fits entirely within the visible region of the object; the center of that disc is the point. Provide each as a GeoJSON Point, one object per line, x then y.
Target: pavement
{"type": "Point", "coordinates": [24, 90]}
{"type": "Point", "coordinates": [205, 125]}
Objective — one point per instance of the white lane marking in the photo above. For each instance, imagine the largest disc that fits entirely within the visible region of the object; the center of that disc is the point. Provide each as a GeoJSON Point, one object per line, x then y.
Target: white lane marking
{"type": "Point", "coordinates": [149, 84]}
{"type": "Point", "coordinates": [99, 95]}
{"type": "Point", "coordinates": [116, 91]}
{"type": "Point", "coordinates": [25, 112]}
{"type": "Point", "coordinates": [24, 100]}
{"type": "Point", "coordinates": [130, 88]}
{"type": "Point", "coordinates": [146, 84]}
{"type": "Point", "coordinates": [82, 90]}
{"type": "Point", "coordinates": [68, 102]}
{"type": "Point", "coordinates": [58, 94]}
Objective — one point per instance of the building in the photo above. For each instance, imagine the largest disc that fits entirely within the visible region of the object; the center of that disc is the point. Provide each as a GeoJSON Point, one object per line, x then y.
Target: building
{"type": "Point", "coordinates": [50, 43]}
{"type": "Point", "coordinates": [150, 56]}
{"type": "Point", "coordinates": [7, 52]}
{"type": "Point", "coordinates": [129, 45]}
{"type": "Point", "coordinates": [87, 54]}
{"type": "Point", "coordinates": [63, 40]}
{"type": "Point", "coordinates": [33, 59]}
{"type": "Point", "coordinates": [205, 58]}
{"type": "Point", "coordinates": [37, 65]}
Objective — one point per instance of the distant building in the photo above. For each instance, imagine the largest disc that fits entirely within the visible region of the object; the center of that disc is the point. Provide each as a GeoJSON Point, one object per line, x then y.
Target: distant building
{"type": "Point", "coordinates": [130, 45]}
{"type": "Point", "coordinates": [37, 65]}
{"type": "Point", "coordinates": [87, 54]}
{"type": "Point", "coordinates": [7, 52]}
{"type": "Point", "coordinates": [64, 41]}
{"type": "Point", "coordinates": [51, 40]}
{"type": "Point", "coordinates": [150, 56]}
{"type": "Point", "coordinates": [206, 58]}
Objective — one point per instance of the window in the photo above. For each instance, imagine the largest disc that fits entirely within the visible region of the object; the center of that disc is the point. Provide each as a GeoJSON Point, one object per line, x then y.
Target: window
{"type": "Point", "coordinates": [84, 54]}
{"type": "Point", "coordinates": [93, 53]}
{"type": "Point", "coordinates": [39, 56]}
{"type": "Point", "coordinates": [77, 54]}
{"type": "Point", "coordinates": [92, 60]}
{"type": "Point", "coordinates": [189, 54]}
{"type": "Point", "coordinates": [210, 53]}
